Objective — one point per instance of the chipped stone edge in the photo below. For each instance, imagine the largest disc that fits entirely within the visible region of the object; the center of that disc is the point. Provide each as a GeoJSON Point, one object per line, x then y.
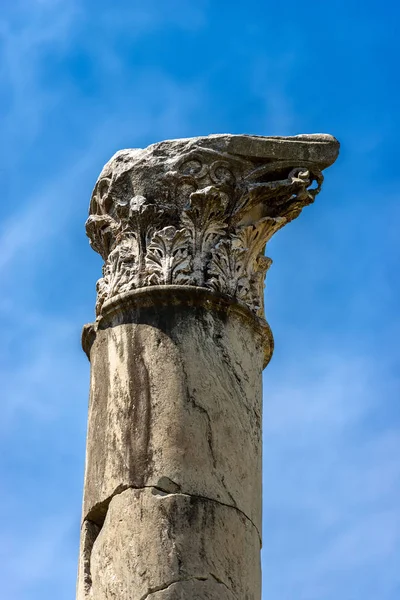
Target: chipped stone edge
{"type": "Point", "coordinates": [116, 308]}
{"type": "Point", "coordinates": [96, 518]}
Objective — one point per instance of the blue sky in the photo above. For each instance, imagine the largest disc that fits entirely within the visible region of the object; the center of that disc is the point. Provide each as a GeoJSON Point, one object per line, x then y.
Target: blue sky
{"type": "Point", "coordinates": [80, 79]}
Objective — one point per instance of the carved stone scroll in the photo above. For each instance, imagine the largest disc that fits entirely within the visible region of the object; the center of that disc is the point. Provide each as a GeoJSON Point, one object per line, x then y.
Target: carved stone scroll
{"type": "Point", "coordinates": [199, 212]}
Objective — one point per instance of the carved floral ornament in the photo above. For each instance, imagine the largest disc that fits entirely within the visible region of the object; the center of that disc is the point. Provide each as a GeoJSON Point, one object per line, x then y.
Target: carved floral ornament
{"type": "Point", "coordinates": [195, 215]}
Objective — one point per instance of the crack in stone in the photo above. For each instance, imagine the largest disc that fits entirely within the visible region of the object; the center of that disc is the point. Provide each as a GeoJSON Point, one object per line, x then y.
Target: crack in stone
{"type": "Point", "coordinates": [218, 337]}
{"type": "Point", "coordinates": [202, 410]}
{"type": "Point", "coordinates": [89, 536]}
{"type": "Point", "coordinates": [232, 499]}
{"type": "Point", "coordinates": [251, 410]}
{"type": "Point", "coordinates": [163, 492]}
{"type": "Point", "coordinates": [165, 586]}
{"type": "Point", "coordinates": [210, 442]}
{"type": "Point", "coordinates": [218, 580]}
{"type": "Point", "coordinates": [200, 497]}
{"type": "Point", "coordinates": [98, 513]}
{"type": "Point", "coordinates": [209, 427]}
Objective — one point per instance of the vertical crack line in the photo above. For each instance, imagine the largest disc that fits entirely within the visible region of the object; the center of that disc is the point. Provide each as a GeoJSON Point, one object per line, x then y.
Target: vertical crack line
{"type": "Point", "coordinates": [210, 440]}
{"type": "Point", "coordinates": [203, 411]}
{"type": "Point", "coordinates": [91, 528]}
{"type": "Point", "coordinates": [90, 532]}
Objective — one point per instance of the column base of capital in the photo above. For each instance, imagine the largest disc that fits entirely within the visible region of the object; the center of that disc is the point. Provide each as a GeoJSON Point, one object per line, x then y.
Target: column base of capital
{"type": "Point", "coordinates": [133, 307]}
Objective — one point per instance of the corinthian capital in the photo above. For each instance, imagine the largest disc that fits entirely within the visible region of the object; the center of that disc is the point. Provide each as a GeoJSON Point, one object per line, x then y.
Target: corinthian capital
{"type": "Point", "coordinates": [200, 211]}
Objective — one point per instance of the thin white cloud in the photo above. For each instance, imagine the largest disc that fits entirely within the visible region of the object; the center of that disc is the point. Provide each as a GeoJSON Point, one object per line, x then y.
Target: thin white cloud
{"type": "Point", "coordinates": [152, 15]}
{"type": "Point", "coordinates": [26, 38]}
{"type": "Point", "coordinates": [52, 373]}
{"type": "Point", "coordinates": [331, 472]}
{"type": "Point", "coordinates": [316, 392]}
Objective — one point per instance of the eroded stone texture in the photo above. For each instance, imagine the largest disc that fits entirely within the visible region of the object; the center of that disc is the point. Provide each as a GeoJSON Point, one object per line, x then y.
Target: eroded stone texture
{"type": "Point", "coordinates": [151, 540]}
{"type": "Point", "coordinates": [89, 533]}
{"type": "Point", "coordinates": [172, 499]}
{"type": "Point", "coordinates": [176, 397]}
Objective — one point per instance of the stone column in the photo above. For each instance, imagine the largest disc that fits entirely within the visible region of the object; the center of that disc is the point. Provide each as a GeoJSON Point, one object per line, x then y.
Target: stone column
{"type": "Point", "coordinates": [172, 493]}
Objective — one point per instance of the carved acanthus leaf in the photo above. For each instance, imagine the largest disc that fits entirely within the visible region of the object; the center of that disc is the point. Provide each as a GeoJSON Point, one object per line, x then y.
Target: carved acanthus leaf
{"type": "Point", "coordinates": [238, 265]}
{"type": "Point", "coordinates": [120, 271]}
{"type": "Point", "coordinates": [254, 237]}
{"type": "Point", "coordinates": [167, 259]}
{"type": "Point", "coordinates": [227, 269]}
{"type": "Point", "coordinates": [205, 221]}
{"type": "Point", "coordinates": [257, 284]}
{"type": "Point", "coordinates": [140, 214]}
{"type": "Point", "coordinates": [122, 266]}
{"type": "Point", "coordinates": [102, 293]}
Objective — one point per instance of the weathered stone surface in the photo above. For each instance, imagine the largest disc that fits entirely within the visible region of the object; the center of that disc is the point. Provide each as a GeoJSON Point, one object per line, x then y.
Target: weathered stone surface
{"type": "Point", "coordinates": [194, 589]}
{"type": "Point", "coordinates": [150, 540]}
{"type": "Point", "coordinates": [176, 396]}
{"type": "Point", "coordinates": [172, 498]}
{"type": "Point", "coordinates": [89, 533]}
{"type": "Point", "coordinates": [199, 211]}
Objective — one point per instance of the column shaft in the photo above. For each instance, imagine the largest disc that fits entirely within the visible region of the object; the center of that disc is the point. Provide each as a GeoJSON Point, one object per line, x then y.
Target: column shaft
{"type": "Point", "coordinates": [173, 474]}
